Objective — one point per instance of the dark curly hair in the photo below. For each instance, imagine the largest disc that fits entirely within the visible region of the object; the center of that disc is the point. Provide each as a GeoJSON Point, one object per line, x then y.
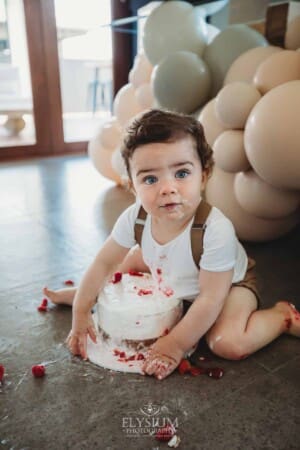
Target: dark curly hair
{"type": "Point", "coordinates": [165, 126]}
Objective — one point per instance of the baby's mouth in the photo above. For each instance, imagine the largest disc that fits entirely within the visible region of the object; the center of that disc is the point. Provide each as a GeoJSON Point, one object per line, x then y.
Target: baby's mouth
{"type": "Point", "coordinates": [170, 205]}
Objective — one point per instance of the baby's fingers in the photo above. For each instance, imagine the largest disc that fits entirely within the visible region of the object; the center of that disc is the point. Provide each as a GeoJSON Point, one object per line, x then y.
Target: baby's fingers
{"type": "Point", "coordinates": [150, 366]}
{"type": "Point", "coordinates": [72, 344]}
{"type": "Point", "coordinates": [92, 333]}
{"type": "Point", "coordinates": [82, 347]}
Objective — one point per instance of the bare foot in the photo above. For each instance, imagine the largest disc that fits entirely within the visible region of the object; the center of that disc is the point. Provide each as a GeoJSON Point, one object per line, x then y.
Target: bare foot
{"type": "Point", "coordinates": [292, 317]}
{"type": "Point", "coordinates": [61, 296]}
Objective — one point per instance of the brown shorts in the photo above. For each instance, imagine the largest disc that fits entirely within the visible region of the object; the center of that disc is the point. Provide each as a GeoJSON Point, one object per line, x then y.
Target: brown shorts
{"type": "Point", "coordinates": [249, 280]}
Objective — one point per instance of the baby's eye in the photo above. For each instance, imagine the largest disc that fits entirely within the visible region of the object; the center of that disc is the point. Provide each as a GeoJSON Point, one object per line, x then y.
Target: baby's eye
{"type": "Point", "coordinates": [150, 179]}
{"type": "Point", "coordinates": [182, 173]}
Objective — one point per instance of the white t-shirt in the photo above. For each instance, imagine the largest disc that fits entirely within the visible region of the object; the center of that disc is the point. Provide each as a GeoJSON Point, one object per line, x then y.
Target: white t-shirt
{"type": "Point", "coordinates": [221, 251]}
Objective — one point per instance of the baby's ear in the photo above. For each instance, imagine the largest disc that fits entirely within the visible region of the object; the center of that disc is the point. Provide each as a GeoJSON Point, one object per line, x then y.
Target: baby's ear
{"type": "Point", "coordinates": [204, 179]}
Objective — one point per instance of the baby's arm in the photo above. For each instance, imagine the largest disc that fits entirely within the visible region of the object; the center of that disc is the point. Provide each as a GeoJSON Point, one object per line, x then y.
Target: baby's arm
{"type": "Point", "coordinates": [201, 315]}
{"type": "Point", "coordinates": [110, 255]}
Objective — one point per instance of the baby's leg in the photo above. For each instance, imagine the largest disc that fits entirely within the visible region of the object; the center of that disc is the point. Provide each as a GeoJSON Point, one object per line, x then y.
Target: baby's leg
{"type": "Point", "coordinates": [241, 329]}
{"type": "Point", "coordinates": [61, 296]}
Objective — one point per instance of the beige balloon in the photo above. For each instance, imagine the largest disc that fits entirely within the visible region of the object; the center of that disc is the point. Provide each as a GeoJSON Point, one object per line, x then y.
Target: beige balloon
{"type": "Point", "coordinates": [229, 151]}
{"type": "Point", "coordinates": [219, 192]}
{"type": "Point", "coordinates": [144, 96]}
{"type": "Point", "coordinates": [125, 105]}
{"type": "Point", "coordinates": [277, 69]}
{"type": "Point", "coordinates": [110, 134]}
{"type": "Point", "coordinates": [272, 136]}
{"type": "Point", "coordinates": [244, 67]}
{"type": "Point", "coordinates": [263, 200]}
{"type": "Point", "coordinates": [171, 27]}
{"type": "Point", "coordinates": [141, 71]}
{"type": "Point", "coordinates": [181, 82]}
{"type": "Point", "coordinates": [234, 103]}
{"type": "Point", "coordinates": [212, 126]}
{"type": "Point", "coordinates": [101, 159]}
{"type": "Point", "coordinates": [292, 35]}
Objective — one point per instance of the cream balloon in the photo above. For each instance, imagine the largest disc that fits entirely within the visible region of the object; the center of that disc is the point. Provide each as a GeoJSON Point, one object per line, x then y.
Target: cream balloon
{"type": "Point", "coordinates": [292, 35]}
{"type": "Point", "coordinates": [244, 67]}
{"type": "Point", "coordinates": [101, 159]}
{"type": "Point", "coordinates": [277, 69]}
{"type": "Point", "coordinates": [263, 200]}
{"type": "Point", "coordinates": [234, 103]}
{"type": "Point", "coordinates": [144, 96]}
{"type": "Point", "coordinates": [226, 47]}
{"type": "Point", "coordinates": [141, 71]}
{"type": "Point", "coordinates": [173, 26]}
{"type": "Point", "coordinates": [272, 136]}
{"type": "Point", "coordinates": [181, 82]}
{"type": "Point", "coordinates": [125, 105]}
{"type": "Point", "coordinates": [229, 151]}
{"type": "Point", "coordinates": [118, 165]}
{"type": "Point", "coordinates": [110, 134]}
{"type": "Point", "coordinates": [212, 126]}
{"type": "Point", "coordinates": [219, 192]}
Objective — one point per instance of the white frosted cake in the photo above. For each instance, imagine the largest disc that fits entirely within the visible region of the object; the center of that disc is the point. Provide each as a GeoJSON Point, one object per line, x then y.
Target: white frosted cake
{"type": "Point", "coordinates": [136, 309]}
{"type": "Point", "coordinates": [132, 311]}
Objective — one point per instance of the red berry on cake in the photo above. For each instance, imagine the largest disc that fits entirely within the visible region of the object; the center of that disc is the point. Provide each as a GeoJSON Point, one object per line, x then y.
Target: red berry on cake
{"type": "Point", "coordinates": [117, 277]}
{"type": "Point", "coordinates": [135, 273]}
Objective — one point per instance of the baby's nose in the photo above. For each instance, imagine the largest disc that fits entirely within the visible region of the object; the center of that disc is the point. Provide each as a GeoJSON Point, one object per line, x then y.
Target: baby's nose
{"type": "Point", "coordinates": [168, 187]}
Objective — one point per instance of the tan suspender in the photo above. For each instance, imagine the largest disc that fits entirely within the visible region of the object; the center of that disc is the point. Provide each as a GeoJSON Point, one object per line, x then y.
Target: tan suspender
{"type": "Point", "coordinates": [197, 230]}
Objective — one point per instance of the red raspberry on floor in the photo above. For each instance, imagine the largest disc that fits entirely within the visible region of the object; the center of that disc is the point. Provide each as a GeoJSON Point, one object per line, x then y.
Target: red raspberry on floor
{"type": "Point", "coordinates": [184, 366]}
{"type": "Point", "coordinates": [215, 372]}
{"type": "Point", "coordinates": [43, 305]}
{"type": "Point", "coordinates": [69, 283]}
{"type": "Point", "coordinates": [195, 371]}
{"type": "Point", "coordinates": [38, 371]}
{"type": "Point", "coordinates": [165, 433]}
{"type": "Point", "coordinates": [2, 370]}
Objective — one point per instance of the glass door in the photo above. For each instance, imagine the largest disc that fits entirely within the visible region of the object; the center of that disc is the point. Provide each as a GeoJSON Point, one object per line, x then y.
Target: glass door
{"type": "Point", "coordinates": [84, 43]}
{"type": "Point", "coordinates": [17, 126]}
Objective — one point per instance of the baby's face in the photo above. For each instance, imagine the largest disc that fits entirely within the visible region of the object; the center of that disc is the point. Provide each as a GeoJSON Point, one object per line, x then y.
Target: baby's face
{"type": "Point", "coordinates": [168, 179]}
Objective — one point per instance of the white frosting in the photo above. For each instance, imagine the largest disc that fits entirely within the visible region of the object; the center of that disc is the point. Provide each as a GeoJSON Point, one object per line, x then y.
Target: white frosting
{"type": "Point", "coordinates": [126, 311]}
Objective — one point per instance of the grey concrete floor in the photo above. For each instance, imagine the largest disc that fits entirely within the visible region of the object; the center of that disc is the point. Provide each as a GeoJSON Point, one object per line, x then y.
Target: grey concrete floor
{"type": "Point", "coordinates": [54, 215]}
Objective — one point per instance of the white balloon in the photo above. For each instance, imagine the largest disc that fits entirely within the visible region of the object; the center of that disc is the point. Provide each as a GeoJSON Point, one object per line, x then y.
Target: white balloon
{"type": "Point", "coordinates": [144, 96]}
{"type": "Point", "coordinates": [173, 26]}
{"type": "Point", "coordinates": [141, 71]}
{"type": "Point", "coordinates": [110, 134]}
{"type": "Point", "coordinates": [118, 164]}
{"type": "Point", "coordinates": [101, 159]}
{"type": "Point", "coordinates": [125, 105]}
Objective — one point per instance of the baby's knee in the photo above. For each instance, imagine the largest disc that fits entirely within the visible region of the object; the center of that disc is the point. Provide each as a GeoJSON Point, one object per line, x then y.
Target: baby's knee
{"type": "Point", "coordinates": [228, 347]}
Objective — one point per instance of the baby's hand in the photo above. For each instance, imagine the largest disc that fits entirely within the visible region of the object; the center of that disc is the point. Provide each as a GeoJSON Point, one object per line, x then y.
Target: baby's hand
{"type": "Point", "coordinates": [162, 358]}
{"type": "Point", "coordinates": [82, 326]}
